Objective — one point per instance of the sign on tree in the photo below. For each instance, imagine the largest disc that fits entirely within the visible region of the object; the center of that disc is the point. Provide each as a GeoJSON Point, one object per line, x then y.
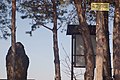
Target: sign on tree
{"type": "Point", "coordinates": [100, 6]}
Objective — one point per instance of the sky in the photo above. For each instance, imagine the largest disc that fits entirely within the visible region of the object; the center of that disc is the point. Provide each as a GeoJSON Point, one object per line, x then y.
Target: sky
{"type": "Point", "coordinates": [39, 49]}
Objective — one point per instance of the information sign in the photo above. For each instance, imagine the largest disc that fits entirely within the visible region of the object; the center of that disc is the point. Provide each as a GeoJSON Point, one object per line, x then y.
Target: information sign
{"type": "Point", "coordinates": [100, 6]}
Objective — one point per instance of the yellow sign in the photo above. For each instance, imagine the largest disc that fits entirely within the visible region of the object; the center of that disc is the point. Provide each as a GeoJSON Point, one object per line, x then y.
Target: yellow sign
{"type": "Point", "coordinates": [100, 6]}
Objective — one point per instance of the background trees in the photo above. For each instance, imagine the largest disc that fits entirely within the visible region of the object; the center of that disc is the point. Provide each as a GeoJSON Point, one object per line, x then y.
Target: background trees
{"type": "Point", "coordinates": [4, 20]}
{"type": "Point", "coordinates": [41, 12]}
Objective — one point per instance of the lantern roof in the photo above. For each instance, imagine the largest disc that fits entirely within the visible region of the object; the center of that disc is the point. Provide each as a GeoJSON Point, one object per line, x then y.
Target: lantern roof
{"type": "Point", "coordinates": [75, 30]}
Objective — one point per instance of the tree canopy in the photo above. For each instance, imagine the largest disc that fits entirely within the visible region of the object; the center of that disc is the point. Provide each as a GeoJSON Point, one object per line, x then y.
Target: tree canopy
{"type": "Point", "coordinates": [5, 20]}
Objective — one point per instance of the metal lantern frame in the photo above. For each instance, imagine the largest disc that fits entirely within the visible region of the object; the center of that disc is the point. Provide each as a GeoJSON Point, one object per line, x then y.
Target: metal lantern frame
{"type": "Point", "coordinates": [77, 46]}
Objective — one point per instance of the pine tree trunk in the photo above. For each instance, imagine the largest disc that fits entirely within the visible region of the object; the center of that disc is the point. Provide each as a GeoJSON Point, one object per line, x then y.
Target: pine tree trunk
{"type": "Point", "coordinates": [55, 43]}
{"type": "Point", "coordinates": [100, 35]}
{"type": "Point", "coordinates": [116, 42]}
{"type": "Point", "coordinates": [107, 58]}
{"type": "Point", "coordinates": [102, 63]}
{"type": "Point", "coordinates": [13, 38]}
{"type": "Point", "coordinates": [89, 53]}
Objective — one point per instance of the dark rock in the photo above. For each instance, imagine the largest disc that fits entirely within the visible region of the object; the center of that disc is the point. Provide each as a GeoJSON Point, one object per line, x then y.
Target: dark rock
{"type": "Point", "coordinates": [21, 63]}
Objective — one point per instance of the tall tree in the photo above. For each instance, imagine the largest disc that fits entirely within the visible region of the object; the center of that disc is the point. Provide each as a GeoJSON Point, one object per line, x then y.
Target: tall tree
{"type": "Point", "coordinates": [100, 47]}
{"type": "Point", "coordinates": [13, 38]}
{"type": "Point", "coordinates": [89, 74]}
{"type": "Point", "coordinates": [42, 13]}
{"type": "Point", "coordinates": [55, 43]}
{"type": "Point", "coordinates": [116, 41]}
{"type": "Point", "coordinates": [107, 57]}
{"type": "Point", "coordinates": [103, 69]}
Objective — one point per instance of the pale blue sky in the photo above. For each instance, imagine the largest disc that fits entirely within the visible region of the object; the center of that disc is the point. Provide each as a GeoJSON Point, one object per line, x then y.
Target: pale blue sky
{"type": "Point", "coordinates": [39, 49]}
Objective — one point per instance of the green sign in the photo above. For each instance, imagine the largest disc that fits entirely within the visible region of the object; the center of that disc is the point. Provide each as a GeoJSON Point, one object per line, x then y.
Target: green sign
{"type": "Point", "coordinates": [100, 6]}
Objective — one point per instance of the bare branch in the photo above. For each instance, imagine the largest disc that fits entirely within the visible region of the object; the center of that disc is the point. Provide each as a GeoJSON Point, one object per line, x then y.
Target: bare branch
{"type": "Point", "coordinates": [68, 70]}
{"type": "Point", "coordinates": [68, 74]}
{"type": "Point", "coordinates": [46, 27]}
{"type": "Point", "coordinates": [65, 52]}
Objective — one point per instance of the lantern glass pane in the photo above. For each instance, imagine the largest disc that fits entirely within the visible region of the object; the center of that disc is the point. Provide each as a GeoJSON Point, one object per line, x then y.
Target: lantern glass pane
{"type": "Point", "coordinates": [93, 39]}
{"type": "Point", "coordinates": [79, 45]}
{"type": "Point", "coordinates": [79, 55]}
{"type": "Point", "coordinates": [80, 61]}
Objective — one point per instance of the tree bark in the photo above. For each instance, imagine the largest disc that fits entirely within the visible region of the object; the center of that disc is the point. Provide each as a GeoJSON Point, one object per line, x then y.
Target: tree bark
{"type": "Point", "coordinates": [102, 49]}
{"type": "Point", "coordinates": [89, 53]}
{"type": "Point", "coordinates": [116, 42]}
{"type": "Point", "coordinates": [55, 43]}
{"type": "Point", "coordinates": [13, 38]}
{"type": "Point", "coordinates": [103, 64]}
{"type": "Point", "coordinates": [100, 45]}
{"type": "Point", "coordinates": [107, 56]}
